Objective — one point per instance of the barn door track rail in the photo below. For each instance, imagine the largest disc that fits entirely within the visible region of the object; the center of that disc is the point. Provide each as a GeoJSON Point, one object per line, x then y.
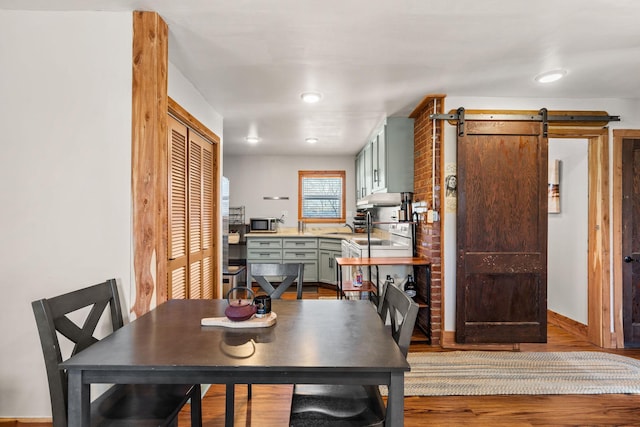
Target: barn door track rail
{"type": "Point", "coordinates": [564, 118]}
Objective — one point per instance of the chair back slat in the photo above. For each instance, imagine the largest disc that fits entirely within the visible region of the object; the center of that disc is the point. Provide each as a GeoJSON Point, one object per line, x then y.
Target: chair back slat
{"type": "Point", "coordinates": [52, 318]}
{"type": "Point", "coordinates": [289, 272]}
{"type": "Point", "coordinates": [402, 312]}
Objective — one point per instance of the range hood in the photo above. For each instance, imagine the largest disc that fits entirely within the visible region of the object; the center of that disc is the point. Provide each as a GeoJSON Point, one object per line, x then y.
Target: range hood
{"type": "Point", "coordinates": [379, 199]}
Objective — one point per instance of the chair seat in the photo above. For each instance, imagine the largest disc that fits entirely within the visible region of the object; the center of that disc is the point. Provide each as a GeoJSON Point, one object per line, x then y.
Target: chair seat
{"type": "Point", "coordinates": [355, 405]}
{"type": "Point", "coordinates": [333, 390]}
{"type": "Point", "coordinates": [336, 405]}
{"type": "Point", "coordinates": [139, 405]}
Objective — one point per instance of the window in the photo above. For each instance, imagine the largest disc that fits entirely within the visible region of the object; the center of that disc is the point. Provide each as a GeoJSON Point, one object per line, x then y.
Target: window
{"type": "Point", "coordinates": [321, 196]}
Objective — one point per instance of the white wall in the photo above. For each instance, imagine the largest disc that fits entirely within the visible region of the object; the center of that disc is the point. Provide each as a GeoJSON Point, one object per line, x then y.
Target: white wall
{"type": "Point", "coordinates": [628, 109]}
{"type": "Point", "coordinates": [187, 96]}
{"type": "Point", "coordinates": [184, 93]}
{"type": "Point", "coordinates": [252, 177]}
{"type": "Point", "coordinates": [65, 176]}
{"type": "Point", "coordinates": [567, 278]}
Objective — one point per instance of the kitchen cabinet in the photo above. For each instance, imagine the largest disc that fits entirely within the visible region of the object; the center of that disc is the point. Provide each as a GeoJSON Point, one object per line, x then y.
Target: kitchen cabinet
{"type": "Point", "coordinates": [360, 190]}
{"type": "Point", "coordinates": [328, 251]}
{"type": "Point", "coordinates": [378, 160]}
{"type": "Point", "coordinates": [364, 172]}
{"type": "Point", "coordinates": [263, 250]}
{"type": "Point", "coordinates": [368, 169]}
{"type": "Point", "coordinates": [304, 250]}
{"type": "Point", "coordinates": [284, 250]}
{"type": "Point", "coordinates": [385, 163]}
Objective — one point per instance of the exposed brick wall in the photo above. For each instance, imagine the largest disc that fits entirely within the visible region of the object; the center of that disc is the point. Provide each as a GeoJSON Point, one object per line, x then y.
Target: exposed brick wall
{"type": "Point", "coordinates": [428, 236]}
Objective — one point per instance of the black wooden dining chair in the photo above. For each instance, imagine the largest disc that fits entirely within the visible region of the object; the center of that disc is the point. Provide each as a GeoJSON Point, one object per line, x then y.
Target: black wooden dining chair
{"type": "Point", "coordinates": [286, 273]}
{"type": "Point", "coordinates": [289, 272]}
{"type": "Point", "coordinates": [123, 404]}
{"type": "Point", "coordinates": [355, 405]}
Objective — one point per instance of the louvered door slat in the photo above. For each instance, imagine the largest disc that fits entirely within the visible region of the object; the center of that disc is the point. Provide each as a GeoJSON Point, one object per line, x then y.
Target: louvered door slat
{"type": "Point", "coordinates": [195, 196]}
{"type": "Point", "coordinates": [177, 192]}
{"type": "Point", "coordinates": [207, 196]}
{"type": "Point", "coordinates": [177, 273]}
{"type": "Point", "coordinates": [195, 278]}
{"type": "Point", "coordinates": [207, 277]}
{"type": "Point", "coordinates": [178, 283]}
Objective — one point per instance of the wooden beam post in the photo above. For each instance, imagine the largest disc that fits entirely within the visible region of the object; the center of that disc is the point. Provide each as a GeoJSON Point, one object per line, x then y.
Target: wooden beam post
{"type": "Point", "coordinates": [149, 159]}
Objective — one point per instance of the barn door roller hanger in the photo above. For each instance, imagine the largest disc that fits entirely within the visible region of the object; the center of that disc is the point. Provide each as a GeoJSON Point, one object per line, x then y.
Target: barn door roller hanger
{"type": "Point", "coordinates": [598, 118]}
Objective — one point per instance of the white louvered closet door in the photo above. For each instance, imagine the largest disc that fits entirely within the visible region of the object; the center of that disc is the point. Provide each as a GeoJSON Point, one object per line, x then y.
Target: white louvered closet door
{"type": "Point", "coordinates": [200, 217]}
{"type": "Point", "coordinates": [177, 238]}
{"type": "Point", "coordinates": [190, 240]}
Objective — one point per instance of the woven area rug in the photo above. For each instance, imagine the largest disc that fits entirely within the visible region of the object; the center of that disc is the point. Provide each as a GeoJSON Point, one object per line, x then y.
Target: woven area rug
{"type": "Point", "coordinates": [474, 373]}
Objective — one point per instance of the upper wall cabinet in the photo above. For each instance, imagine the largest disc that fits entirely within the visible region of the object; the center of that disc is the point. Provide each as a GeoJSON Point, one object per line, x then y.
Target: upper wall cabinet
{"type": "Point", "coordinates": [385, 164]}
{"type": "Point", "coordinates": [361, 189]}
{"type": "Point", "coordinates": [378, 157]}
{"type": "Point", "coordinates": [364, 171]}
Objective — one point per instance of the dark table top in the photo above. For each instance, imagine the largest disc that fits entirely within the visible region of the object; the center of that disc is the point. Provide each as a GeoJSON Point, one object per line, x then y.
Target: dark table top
{"type": "Point", "coordinates": [309, 335]}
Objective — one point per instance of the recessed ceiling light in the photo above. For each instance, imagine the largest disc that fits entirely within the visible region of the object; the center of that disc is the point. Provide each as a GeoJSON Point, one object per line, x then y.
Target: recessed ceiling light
{"type": "Point", "coordinates": [311, 97]}
{"type": "Point", "coordinates": [550, 76]}
{"type": "Point", "coordinates": [311, 140]}
{"type": "Point", "coordinates": [252, 139]}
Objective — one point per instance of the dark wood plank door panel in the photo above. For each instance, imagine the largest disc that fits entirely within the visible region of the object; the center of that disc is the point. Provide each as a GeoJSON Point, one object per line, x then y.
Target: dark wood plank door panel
{"type": "Point", "coordinates": [501, 233]}
{"type": "Point", "coordinates": [631, 241]}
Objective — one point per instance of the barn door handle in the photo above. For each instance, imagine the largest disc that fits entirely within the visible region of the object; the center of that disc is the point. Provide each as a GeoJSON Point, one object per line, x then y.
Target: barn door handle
{"type": "Point", "coordinates": [628, 259]}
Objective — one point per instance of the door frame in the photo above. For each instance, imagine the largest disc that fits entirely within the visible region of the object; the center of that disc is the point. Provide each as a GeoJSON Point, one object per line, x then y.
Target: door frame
{"type": "Point", "coordinates": [598, 261]}
{"type": "Point", "coordinates": [618, 136]}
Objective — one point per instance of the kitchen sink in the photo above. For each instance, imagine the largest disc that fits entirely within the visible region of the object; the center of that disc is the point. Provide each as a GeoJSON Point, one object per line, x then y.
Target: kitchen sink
{"type": "Point", "coordinates": [364, 241]}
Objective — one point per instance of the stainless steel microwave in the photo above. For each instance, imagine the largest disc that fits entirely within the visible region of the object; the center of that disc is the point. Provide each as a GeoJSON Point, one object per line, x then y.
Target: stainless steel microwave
{"type": "Point", "coordinates": [263, 225]}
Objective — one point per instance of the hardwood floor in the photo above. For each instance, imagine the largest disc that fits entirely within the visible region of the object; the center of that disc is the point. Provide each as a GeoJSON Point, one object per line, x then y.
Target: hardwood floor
{"type": "Point", "coordinates": [269, 406]}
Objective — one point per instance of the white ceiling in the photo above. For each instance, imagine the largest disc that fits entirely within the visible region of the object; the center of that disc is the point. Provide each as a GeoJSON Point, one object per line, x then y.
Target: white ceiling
{"type": "Point", "coordinates": [251, 59]}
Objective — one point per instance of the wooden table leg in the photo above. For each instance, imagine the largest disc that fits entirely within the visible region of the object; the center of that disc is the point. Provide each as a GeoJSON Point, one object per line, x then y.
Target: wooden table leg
{"type": "Point", "coordinates": [395, 401]}
{"type": "Point", "coordinates": [79, 400]}
{"type": "Point", "coordinates": [230, 405]}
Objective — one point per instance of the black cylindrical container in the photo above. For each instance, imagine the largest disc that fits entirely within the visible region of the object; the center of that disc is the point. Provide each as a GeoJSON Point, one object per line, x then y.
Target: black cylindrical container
{"type": "Point", "coordinates": [263, 305]}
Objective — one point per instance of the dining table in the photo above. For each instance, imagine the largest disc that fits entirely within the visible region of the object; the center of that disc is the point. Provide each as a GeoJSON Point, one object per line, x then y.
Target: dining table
{"type": "Point", "coordinates": [311, 342]}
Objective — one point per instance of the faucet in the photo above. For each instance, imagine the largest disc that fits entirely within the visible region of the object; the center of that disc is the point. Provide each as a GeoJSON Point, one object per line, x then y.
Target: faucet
{"type": "Point", "coordinates": [350, 227]}
{"type": "Point", "coordinates": [369, 237]}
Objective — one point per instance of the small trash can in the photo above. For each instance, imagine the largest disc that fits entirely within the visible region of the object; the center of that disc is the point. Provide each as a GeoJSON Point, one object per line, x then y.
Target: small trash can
{"type": "Point", "coordinates": [234, 276]}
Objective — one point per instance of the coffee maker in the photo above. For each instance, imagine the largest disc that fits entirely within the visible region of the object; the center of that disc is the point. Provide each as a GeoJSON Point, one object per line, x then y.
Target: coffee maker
{"type": "Point", "coordinates": [406, 212]}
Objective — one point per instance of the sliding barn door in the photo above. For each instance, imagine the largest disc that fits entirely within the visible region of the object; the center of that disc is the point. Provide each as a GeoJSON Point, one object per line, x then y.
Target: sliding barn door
{"type": "Point", "coordinates": [501, 289]}
{"type": "Point", "coordinates": [191, 204]}
{"type": "Point", "coordinates": [631, 241]}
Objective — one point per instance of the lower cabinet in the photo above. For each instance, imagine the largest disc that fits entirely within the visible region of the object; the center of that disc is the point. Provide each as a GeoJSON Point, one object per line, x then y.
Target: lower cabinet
{"type": "Point", "coordinates": [304, 250]}
{"type": "Point", "coordinates": [328, 251]}
{"type": "Point", "coordinates": [284, 250]}
{"type": "Point", "coordinates": [263, 250]}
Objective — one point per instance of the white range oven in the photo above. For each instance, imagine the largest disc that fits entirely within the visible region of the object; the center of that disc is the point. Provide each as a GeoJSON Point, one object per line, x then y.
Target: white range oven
{"type": "Point", "coordinates": [399, 244]}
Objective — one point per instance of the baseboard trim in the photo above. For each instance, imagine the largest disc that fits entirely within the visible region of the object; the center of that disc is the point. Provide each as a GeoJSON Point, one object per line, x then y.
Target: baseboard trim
{"type": "Point", "coordinates": [569, 325]}
{"type": "Point", "coordinates": [576, 328]}
{"type": "Point", "coordinates": [26, 422]}
{"type": "Point", "coordinates": [449, 342]}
